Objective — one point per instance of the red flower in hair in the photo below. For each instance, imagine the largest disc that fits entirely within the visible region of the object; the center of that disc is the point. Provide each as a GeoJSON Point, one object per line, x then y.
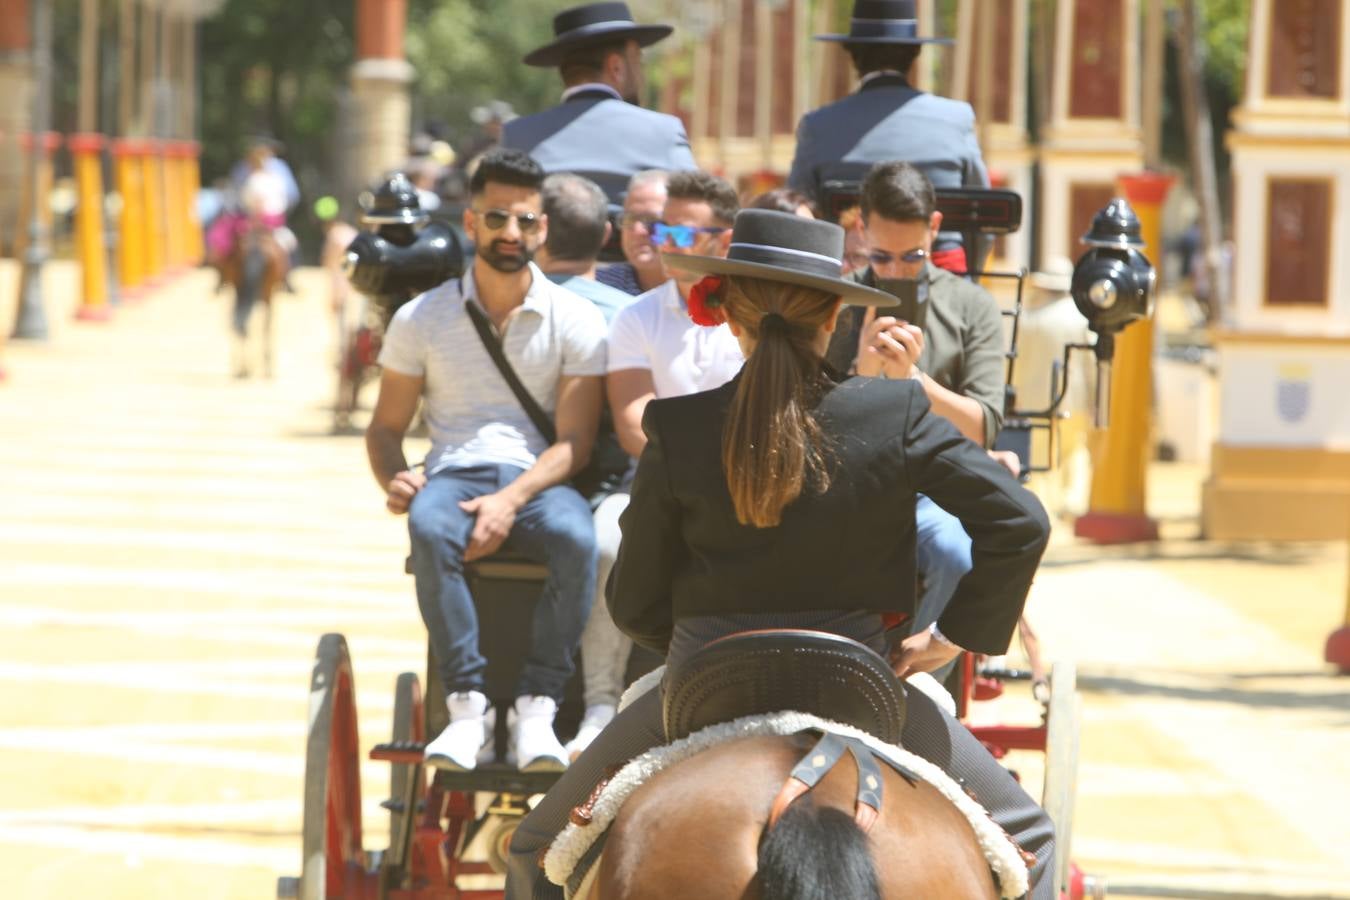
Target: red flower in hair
{"type": "Point", "coordinates": [705, 306]}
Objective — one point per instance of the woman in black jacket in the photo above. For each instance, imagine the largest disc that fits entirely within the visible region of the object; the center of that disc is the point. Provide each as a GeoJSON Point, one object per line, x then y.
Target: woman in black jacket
{"type": "Point", "coordinates": [786, 499]}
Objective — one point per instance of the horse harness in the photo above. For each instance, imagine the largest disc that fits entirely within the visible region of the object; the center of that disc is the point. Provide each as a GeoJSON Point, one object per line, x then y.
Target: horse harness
{"type": "Point", "coordinates": [822, 758]}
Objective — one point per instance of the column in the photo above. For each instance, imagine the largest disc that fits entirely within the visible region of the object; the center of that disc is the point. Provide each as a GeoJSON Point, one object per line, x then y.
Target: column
{"type": "Point", "coordinates": [15, 85]}
{"type": "Point", "coordinates": [380, 111]}
{"type": "Point", "coordinates": [1002, 115]}
{"type": "Point", "coordinates": [1281, 467]}
{"type": "Point", "coordinates": [1094, 132]}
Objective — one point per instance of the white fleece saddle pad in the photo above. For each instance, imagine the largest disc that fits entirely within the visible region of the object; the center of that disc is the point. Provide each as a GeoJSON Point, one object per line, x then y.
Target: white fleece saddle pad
{"type": "Point", "coordinates": [574, 841]}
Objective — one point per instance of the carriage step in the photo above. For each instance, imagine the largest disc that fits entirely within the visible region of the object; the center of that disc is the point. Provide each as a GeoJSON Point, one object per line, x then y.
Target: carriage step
{"type": "Point", "coordinates": [1002, 674]}
{"type": "Point", "coordinates": [406, 753]}
{"type": "Point", "coordinates": [498, 779]}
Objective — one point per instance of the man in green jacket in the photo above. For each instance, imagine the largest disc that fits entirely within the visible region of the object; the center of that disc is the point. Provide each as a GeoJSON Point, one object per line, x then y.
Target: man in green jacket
{"type": "Point", "coordinates": [953, 345]}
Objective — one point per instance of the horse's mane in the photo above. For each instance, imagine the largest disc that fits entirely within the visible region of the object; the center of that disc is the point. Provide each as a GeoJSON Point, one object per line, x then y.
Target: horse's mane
{"type": "Point", "coordinates": [815, 853]}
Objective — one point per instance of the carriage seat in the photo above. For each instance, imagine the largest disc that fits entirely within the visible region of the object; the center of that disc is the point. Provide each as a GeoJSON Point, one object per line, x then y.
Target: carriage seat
{"type": "Point", "coordinates": [504, 565]}
{"type": "Point", "coordinates": [772, 670]}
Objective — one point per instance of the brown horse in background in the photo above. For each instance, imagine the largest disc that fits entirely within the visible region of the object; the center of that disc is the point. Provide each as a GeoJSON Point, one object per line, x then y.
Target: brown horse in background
{"type": "Point", "coordinates": [254, 268]}
{"type": "Point", "coordinates": [697, 829]}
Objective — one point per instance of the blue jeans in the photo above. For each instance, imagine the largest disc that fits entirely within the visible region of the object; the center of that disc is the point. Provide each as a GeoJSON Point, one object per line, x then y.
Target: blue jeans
{"type": "Point", "coordinates": [554, 528]}
{"type": "Point", "coordinates": [943, 554]}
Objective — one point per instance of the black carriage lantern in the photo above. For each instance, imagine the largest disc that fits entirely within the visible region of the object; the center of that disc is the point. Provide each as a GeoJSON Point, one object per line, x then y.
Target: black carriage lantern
{"type": "Point", "coordinates": [403, 253]}
{"type": "Point", "coordinates": [394, 202]}
{"type": "Point", "coordinates": [1112, 286]}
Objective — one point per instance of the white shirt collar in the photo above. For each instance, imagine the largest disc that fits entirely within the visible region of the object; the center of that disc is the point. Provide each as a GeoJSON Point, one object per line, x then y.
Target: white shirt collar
{"type": "Point", "coordinates": [880, 73]}
{"type": "Point", "coordinates": [671, 298]}
{"type": "Point", "coordinates": [591, 86]}
{"type": "Point", "coordinates": [535, 298]}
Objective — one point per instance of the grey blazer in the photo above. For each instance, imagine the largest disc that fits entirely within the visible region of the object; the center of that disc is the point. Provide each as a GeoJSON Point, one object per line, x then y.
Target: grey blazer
{"type": "Point", "coordinates": [607, 140]}
{"type": "Point", "coordinates": [887, 119]}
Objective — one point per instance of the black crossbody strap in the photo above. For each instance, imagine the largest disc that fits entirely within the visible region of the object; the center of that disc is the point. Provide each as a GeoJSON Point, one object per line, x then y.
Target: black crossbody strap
{"type": "Point", "coordinates": [494, 349]}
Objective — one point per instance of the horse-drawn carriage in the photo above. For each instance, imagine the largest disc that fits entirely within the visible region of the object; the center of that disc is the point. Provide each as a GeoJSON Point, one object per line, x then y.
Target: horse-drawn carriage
{"type": "Point", "coordinates": [449, 831]}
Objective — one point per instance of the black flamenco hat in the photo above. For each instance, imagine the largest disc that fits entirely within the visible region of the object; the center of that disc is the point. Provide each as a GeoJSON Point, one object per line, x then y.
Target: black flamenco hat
{"type": "Point", "coordinates": [594, 23]}
{"type": "Point", "coordinates": [779, 246]}
{"type": "Point", "coordinates": [884, 22]}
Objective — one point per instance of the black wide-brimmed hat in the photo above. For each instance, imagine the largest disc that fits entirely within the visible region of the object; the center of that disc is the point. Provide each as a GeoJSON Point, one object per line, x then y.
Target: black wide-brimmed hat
{"type": "Point", "coordinates": [779, 246]}
{"type": "Point", "coordinates": [884, 22]}
{"type": "Point", "coordinates": [594, 23]}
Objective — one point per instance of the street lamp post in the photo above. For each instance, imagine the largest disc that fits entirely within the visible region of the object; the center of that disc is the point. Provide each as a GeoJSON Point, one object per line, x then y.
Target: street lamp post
{"type": "Point", "coordinates": [31, 322]}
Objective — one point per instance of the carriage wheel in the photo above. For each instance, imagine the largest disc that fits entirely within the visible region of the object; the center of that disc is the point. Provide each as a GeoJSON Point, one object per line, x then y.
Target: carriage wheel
{"type": "Point", "coordinates": [1060, 791]}
{"type": "Point", "coordinates": [407, 783]}
{"type": "Point", "coordinates": [499, 844]}
{"type": "Point", "coordinates": [334, 862]}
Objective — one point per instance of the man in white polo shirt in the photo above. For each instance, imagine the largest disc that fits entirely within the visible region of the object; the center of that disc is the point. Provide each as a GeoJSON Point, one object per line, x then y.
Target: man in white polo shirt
{"type": "Point", "coordinates": [491, 479]}
{"type": "Point", "coordinates": [655, 350]}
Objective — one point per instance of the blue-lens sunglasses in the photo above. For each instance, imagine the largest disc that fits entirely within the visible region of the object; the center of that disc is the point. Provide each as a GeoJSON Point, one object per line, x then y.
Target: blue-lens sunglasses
{"type": "Point", "coordinates": [682, 236]}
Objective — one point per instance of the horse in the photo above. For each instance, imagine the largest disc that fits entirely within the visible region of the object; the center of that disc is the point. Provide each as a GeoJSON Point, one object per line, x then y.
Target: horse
{"type": "Point", "coordinates": [255, 265]}
{"type": "Point", "coordinates": [698, 829]}
{"type": "Point", "coordinates": [751, 799]}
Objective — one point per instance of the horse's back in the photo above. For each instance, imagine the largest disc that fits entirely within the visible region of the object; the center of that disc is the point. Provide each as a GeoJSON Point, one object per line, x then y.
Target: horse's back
{"type": "Point", "coordinates": [694, 829]}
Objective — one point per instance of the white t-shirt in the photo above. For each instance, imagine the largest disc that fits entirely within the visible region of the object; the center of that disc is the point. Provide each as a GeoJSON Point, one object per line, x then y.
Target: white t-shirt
{"type": "Point", "coordinates": [472, 414]}
{"type": "Point", "coordinates": [655, 332]}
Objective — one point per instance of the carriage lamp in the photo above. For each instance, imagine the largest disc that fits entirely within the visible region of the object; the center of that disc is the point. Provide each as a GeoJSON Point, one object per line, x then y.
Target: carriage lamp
{"type": "Point", "coordinates": [402, 253]}
{"type": "Point", "coordinates": [1112, 286]}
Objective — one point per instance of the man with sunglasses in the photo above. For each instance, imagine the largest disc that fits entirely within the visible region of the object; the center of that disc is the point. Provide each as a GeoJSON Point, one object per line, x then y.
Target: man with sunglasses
{"type": "Point", "coordinates": [491, 479]}
{"type": "Point", "coordinates": [655, 350]}
{"type": "Point", "coordinates": [643, 269]}
{"type": "Point", "coordinates": [953, 346]}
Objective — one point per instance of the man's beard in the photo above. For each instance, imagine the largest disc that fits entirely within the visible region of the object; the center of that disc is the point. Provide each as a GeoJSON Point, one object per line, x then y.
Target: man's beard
{"type": "Point", "coordinates": [505, 262]}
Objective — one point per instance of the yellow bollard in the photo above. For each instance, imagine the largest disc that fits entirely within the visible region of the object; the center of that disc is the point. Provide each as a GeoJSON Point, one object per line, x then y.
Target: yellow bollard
{"type": "Point", "coordinates": [174, 248]}
{"type": "Point", "coordinates": [192, 180]}
{"type": "Point", "coordinates": [87, 153]}
{"type": "Point", "coordinates": [152, 189]}
{"type": "Point", "coordinates": [1120, 454]}
{"type": "Point", "coordinates": [131, 263]}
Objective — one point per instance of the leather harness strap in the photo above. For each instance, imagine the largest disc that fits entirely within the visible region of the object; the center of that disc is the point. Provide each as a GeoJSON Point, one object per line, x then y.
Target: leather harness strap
{"type": "Point", "coordinates": [822, 758]}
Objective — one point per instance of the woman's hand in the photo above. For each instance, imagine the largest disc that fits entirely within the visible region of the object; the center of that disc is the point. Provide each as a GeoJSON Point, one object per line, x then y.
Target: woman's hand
{"type": "Point", "coordinates": [1008, 460]}
{"type": "Point", "coordinates": [921, 652]}
{"type": "Point", "coordinates": [888, 346]}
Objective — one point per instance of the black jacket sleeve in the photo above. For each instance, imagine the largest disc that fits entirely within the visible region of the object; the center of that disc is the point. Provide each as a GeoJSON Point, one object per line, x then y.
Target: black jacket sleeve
{"type": "Point", "coordinates": [1007, 525]}
{"type": "Point", "coordinates": [639, 590]}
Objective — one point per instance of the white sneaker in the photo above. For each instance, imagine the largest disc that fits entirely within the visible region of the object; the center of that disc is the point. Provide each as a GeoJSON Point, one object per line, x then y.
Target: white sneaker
{"type": "Point", "coordinates": [594, 722]}
{"type": "Point", "coordinates": [470, 728]}
{"type": "Point", "coordinates": [534, 746]}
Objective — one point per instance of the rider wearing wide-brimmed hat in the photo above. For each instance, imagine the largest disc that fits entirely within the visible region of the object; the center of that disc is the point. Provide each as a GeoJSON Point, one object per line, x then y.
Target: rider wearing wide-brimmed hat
{"type": "Point", "coordinates": [600, 130]}
{"type": "Point", "coordinates": [785, 499]}
{"type": "Point", "coordinates": [887, 117]}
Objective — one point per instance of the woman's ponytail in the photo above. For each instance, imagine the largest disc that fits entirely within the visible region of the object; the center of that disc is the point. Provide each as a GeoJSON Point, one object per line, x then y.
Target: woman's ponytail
{"type": "Point", "coordinates": [772, 447]}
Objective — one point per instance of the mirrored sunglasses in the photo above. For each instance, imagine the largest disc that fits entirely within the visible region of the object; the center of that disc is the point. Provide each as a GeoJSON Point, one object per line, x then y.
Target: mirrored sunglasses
{"type": "Point", "coordinates": [883, 258]}
{"type": "Point", "coordinates": [496, 220]}
{"type": "Point", "coordinates": [682, 236]}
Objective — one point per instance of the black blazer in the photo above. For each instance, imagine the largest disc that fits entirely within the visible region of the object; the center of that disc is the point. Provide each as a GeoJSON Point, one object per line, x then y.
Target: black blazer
{"type": "Point", "coordinates": [850, 548]}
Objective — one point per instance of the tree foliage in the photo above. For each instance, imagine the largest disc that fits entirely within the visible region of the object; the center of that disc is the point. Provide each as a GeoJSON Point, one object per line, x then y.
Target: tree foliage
{"type": "Point", "coordinates": [467, 52]}
{"type": "Point", "coordinates": [276, 67]}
